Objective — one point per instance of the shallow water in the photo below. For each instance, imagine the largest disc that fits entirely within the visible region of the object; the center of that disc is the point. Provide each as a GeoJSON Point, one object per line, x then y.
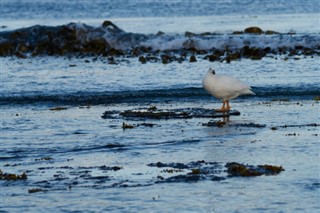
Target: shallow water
{"type": "Point", "coordinates": [79, 142]}
{"type": "Point", "coordinates": [99, 82]}
{"type": "Point", "coordinates": [77, 161]}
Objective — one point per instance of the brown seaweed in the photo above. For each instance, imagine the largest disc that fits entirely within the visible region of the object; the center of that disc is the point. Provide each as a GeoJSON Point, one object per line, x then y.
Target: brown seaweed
{"type": "Point", "coordinates": [14, 177]}
{"type": "Point", "coordinates": [241, 170]}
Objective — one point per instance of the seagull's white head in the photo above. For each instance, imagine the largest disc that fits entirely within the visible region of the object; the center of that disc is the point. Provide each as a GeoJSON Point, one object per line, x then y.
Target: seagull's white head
{"type": "Point", "coordinates": [212, 71]}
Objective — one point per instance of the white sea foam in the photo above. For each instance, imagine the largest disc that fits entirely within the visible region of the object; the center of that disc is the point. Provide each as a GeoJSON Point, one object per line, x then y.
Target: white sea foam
{"type": "Point", "coordinates": [232, 42]}
{"type": "Point", "coordinates": [119, 39]}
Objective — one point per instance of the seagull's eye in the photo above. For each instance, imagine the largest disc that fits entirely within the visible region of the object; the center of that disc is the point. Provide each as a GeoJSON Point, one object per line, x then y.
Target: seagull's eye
{"type": "Point", "coordinates": [213, 72]}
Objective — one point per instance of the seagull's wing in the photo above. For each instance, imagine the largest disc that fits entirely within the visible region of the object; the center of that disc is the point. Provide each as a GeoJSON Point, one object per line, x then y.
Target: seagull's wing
{"type": "Point", "coordinates": [231, 87]}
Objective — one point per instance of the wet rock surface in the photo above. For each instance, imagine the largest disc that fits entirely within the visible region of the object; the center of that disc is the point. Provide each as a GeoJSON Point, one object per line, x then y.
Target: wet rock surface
{"type": "Point", "coordinates": [183, 113]}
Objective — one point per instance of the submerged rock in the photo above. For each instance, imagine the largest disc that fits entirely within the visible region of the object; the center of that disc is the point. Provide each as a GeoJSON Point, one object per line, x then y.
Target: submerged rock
{"type": "Point", "coordinates": [35, 190]}
{"type": "Point", "coordinates": [181, 178]}
{"type": "Point", "coordinates": [58, 108]}
{"type": "Point", "coordinates": [201, 170]}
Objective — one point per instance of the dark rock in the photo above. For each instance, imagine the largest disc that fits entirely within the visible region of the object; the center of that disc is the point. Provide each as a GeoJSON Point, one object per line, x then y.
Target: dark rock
{"type": "Point", "coordinates": [110, 168]}
{"type": "Point", "coordinates": [206, 34]}
{"type": "Point", "coordinates": [97, 46]}
{"type": "Point", "coordinates": [216, 178]}
{"type": "Point", "coordinates": [172, 165]}
{"type": "Point", "coordinates": [43, 159]}
{"type": "Point", "coordinates": [24, 48]}
{"type": "Point", "coordinates": [58, 108]}
{"type": "Point", "coordinates": [183, 113]}
{"type": "Point", "coordinates": [181, 178]}
{"type": "Point", "coordinates": [250, 125]}
{"type": "Point", "coordinates": [231, 57]}
{"type": "Point", "coordinates": [160, 33]}
{"type": "Point", "coordinates": [299, 125]}
{"type": "Point", "coordinates": [35, 190]}
{"type": "Point", "coordinates": [112, 60]}
{"type": "Point", "coordinates": [193, 59]}
{"type": "Point", "coordinates": [127, 126]}
{"type": "Point", "coordinates": [142, 59]}
{"type": "Point", "coordinates": [111, 146]}
{"type": "Point", "coordinates": [215, 123]}
{"type": "Point", "coordinates": [154, 115]}
{"type": "Point", "coordinates": [237, 32]}
{"type": "Point", "coordinates": [147, 124]}
{"type": "Point", "coordinates": [252, 53]}
{"type": "Point", "coordinates": [151, 58]}
{"type": "Point", "coordinates": [253, 30]}
{"type": "Point", "coordinates": [212, 57]}
{"type": "Point", "coordinates": [145, 49]}
{"type": "Point", "coordinates": [193, 165]}
{"type": "Point", "coordinates": [271, 32]}
{"type": "Point", "coordinates": [111, 27]}
{"type": "Point", "coordinates": [116, 52]}
{"type": "Point", "coordinates": [159, 164]}
{"type": "Point", "coordinates": [7, 48]}
{"type": "Point", "coordinates": [189, 34]}
{"type": "Point", "coordinates": [20, 55]}
{"type": "Point", "coordinates": [267, 50]}
{"type": "Point", "coordinates": [167, 58]}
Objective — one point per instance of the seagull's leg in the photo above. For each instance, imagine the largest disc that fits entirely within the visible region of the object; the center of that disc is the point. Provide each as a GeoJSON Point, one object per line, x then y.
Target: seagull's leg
{"type": "Point", "coordinates": [228, 106]}
{"type": "Point", "coordinates": [223, 108]}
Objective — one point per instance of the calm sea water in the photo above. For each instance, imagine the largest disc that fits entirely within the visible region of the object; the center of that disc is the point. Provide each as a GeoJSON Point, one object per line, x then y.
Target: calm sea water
{"type": "Point", "coordinates": [72, 155]}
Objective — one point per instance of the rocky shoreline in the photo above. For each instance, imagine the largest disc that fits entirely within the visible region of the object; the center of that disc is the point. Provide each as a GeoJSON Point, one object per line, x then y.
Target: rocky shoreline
{"type": "Point", "coordinates": [108, 40]}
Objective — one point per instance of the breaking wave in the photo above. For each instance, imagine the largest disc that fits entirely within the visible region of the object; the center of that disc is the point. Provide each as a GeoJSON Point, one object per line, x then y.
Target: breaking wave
{"type": "Point", "coordinates": [95, 98]}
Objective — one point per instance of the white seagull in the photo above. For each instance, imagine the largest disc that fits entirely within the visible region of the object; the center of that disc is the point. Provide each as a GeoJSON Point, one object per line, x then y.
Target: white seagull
{"type": "Point", "coordinates": [224, 87]}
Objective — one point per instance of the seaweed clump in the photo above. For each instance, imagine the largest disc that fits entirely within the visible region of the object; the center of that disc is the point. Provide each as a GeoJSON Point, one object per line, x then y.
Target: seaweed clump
{"type": "Point", "coordinates": [271, 170]}
{"type": "Point", "coordinates": [8, 176]}
{"type": "Point", "coordinates": [241, 170]}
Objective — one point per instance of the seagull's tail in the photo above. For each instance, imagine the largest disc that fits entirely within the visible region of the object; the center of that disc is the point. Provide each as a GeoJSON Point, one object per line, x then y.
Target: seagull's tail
{"type": "Point", "coordinates": [249, 92]}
